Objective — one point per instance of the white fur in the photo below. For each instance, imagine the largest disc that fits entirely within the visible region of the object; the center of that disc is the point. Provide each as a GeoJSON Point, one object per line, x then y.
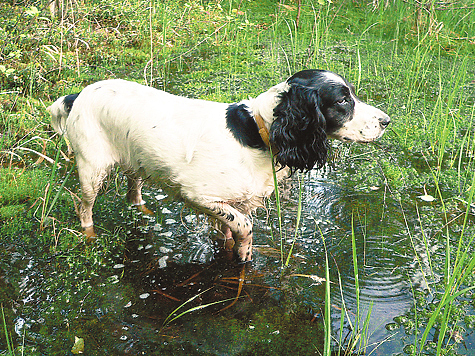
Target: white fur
{"type": "Point", "coordinates": [180, 143]}
{"type": "Point", "coordinates": [365, 125]}
{"type": "Point", "coordinates": [265, 103]}
{"type": "Point", "coordinates": [59, 115]}
{"type": "Point", "coordinates": [171, 138]}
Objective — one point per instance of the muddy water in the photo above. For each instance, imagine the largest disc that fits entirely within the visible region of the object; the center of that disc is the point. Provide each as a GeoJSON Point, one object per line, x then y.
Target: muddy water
{"type": "Point", "coordinates": [120, 295]}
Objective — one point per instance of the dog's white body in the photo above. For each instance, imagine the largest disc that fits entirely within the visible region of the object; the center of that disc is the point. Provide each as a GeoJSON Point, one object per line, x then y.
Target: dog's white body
{"type": "Point", "coordinates": [166, 138]}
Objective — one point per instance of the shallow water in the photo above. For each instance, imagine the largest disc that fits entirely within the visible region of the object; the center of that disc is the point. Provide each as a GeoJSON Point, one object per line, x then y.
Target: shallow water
{"type": "Point", "coordinates": [118, 294]}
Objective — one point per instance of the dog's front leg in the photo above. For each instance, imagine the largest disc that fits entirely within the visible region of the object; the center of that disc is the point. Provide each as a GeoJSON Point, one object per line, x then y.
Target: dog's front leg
{"type": "Point", "coordinates": [228, 240]}
{"type": "Point", "coordinates": [239, 224]}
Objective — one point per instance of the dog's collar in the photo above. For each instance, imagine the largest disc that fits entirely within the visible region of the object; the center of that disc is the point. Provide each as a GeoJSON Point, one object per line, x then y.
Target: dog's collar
{"type": "Point", "coordinates": [264, 133]}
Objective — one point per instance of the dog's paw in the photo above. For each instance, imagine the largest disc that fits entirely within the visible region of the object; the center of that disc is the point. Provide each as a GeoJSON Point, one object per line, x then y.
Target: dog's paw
{"type": "Point", "coordinates": [144, 210]}
{"type": "Point", "coordinates": [90, 234]}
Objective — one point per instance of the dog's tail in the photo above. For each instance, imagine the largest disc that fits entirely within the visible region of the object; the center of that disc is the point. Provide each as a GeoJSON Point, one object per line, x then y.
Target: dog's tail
{"type": "Point", "coordinates": [60, 110]}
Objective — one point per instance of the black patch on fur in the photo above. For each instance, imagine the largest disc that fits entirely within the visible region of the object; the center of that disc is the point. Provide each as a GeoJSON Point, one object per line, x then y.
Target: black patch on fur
{"type": "Point", "coordinates": [69, 100]}
{"type": "Point", "coordinates": [243, 126]}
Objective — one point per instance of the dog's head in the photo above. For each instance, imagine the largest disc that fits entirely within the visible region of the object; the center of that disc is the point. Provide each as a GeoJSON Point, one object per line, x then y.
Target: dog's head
{"type": "Point", "coordinates": [318, 104]}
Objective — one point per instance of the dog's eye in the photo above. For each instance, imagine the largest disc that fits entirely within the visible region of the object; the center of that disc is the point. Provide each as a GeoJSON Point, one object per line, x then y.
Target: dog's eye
{"type": "Point", "coordinates": [342, 101]}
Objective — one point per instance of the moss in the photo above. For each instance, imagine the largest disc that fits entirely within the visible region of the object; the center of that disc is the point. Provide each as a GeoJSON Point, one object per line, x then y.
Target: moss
{"type": "Point", "coordinates": [18, 186]}
{"type": "Point", "coordinates": [10, 211]}
{"type": "Point", "coordinates": [276, 332]}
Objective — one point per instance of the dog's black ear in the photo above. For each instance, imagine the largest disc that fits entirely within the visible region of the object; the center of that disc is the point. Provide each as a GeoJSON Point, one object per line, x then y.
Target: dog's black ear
{"type": "Point", "coordinates": [298, 131]}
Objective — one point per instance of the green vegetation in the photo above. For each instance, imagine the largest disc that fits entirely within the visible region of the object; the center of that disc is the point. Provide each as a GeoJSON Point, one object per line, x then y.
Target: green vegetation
{"type": "Point", "coordinates": [415, 60]}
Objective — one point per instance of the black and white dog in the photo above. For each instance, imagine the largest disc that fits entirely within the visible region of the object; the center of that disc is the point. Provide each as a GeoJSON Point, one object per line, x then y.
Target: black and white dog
{"type": "Point", "coordinates": [216, 156]}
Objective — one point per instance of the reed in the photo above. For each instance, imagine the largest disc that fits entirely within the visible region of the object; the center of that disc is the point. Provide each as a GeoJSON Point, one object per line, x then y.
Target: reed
{"type": "Point", "coordinates": [327, 347]}
{"type": "Point", "coordinates": [455, 274]}
{"type": "Point", "coordinates": [10, 350]}
{"type": "Point", "coordinates": [359, 333]}
{"type": "Point", "coordinates": [49, 200]}
{"type": "Point", "coordinates": [177, 313]}
{"type": "Point", "coordinates": [297, 219]}
{"type": "Point", "coordinates": [279, 212]}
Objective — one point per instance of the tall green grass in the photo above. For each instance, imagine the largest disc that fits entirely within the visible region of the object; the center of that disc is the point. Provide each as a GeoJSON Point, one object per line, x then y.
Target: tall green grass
{"type": "Point", "coordinates": [444, 119]}
{"type": "Point", "coordinates": [10, 351]}
{"type": "Point", "coordinates": [357, 341]}
{"type": "Point", "coordinates": [459, 265]}
{"type": "Point", "coordinates": [439, 102]}
{"type": "Point", "coordinates": [327, 346]}
{"type": "Point", "coordinates": [49, 200]}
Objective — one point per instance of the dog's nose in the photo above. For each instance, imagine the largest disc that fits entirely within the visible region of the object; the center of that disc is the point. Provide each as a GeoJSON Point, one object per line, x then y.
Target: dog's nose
{"type": "Point", "coordinates": [384, 121]}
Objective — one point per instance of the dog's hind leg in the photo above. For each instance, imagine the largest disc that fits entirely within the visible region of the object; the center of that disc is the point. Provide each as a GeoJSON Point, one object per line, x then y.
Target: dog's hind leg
{"type": "Point", "coordinates": [239, 224]}
{"type": "Point", "coordinates": [90, 179]}
{"type": "Point", "coordinates": [134, 193]}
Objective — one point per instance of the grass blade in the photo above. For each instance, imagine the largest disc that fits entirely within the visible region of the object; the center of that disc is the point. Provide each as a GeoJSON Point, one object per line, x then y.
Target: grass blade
{"type": "Point", "coordinates": [169, 319]}
{"type": "Point", "coordinates": [297, 224]}
{"type": "Point", "coordinates": [10, 351]}
{"type": "Point", "coordinates": [355, 271]}
{"type": "Point", "coordinates": [279, 212]}
{"type": "Point", "coordinates": [328, 330]}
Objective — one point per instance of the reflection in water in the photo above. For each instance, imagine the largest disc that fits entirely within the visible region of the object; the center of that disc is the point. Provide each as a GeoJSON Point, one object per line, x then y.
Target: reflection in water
{"type": "Point", "coordinates": [170, 258]}
{"type": "Point", "coordinates": [385, 260]}
{"type": "Point", "coordinates": [384, 252]}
